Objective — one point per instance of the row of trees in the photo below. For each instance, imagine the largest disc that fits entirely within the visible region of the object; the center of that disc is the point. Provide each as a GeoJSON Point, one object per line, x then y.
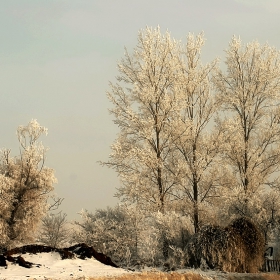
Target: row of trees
{"type": "Point", "coordinates": [197, 145]}
{"type": "Point", "coordinates": [170, 146]}
{"type": "Point", "coordinates": [195, 139]}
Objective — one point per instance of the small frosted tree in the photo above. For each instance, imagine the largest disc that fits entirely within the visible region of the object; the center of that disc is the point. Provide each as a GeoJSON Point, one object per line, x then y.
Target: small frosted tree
{"type": "Point", "coordinates": [53, 231]}
{"type": "Point", "coordinates": [25, 183]}
{"type": "Point", "coordinates": [249, 93]}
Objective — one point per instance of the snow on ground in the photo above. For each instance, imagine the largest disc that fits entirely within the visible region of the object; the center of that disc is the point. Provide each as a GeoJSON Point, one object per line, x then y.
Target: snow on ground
{"type": "Point", "coordinates": [50, 265]}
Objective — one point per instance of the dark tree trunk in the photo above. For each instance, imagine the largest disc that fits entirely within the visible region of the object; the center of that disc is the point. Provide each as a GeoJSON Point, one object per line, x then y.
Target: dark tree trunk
{"type": "Point", "coordinates": [196, 217]}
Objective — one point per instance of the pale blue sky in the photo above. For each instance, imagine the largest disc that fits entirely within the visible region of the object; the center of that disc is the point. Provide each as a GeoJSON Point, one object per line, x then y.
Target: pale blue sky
{"type": "Point", "coordinates": [58, 56]}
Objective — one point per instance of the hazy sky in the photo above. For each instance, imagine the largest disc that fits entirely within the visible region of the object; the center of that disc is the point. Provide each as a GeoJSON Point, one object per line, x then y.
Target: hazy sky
{"type": "Point", "coordinates": [58, 56]}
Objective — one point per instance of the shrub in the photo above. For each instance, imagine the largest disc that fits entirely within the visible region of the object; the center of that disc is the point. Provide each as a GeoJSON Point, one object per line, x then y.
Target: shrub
{"type": "Point", "coordinates": [236, 248]}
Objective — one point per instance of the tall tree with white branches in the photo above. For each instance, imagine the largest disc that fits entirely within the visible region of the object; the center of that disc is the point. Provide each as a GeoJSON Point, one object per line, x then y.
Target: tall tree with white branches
{"type": "Point", "coordinates": [196, 146]}
{"type": "Point", "coordinates": [249, 92]}
{"type": "Point", "coordinates": [144, 100]}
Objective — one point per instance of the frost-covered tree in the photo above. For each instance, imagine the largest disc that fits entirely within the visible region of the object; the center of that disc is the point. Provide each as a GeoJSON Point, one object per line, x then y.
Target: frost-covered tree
{"type": "Point", "coordinates": [112, 231]}
{"type": "Point", "coordinates": [144, 101]}
{"type": "Point", "coordinates": [25, 183]}
{"type": "Point", "coordinates": [249, 92]}
{"type": "Point", "coordinates": [196, 147]}
{"type": "Point", "coordinates": [53, 231]}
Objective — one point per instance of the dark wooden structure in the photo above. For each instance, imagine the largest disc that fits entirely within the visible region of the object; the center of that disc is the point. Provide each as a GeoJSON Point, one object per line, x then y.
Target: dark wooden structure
{"type": "Point", "coordinates": [271, 265]}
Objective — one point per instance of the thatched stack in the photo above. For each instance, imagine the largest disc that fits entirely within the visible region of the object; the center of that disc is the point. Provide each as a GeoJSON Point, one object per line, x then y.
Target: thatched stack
{"type": "Point", "coordinates": [237, 248]}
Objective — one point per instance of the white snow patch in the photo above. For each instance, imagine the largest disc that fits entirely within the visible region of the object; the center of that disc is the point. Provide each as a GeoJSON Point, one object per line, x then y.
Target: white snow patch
{"type": "Point", "coordinates": [52, 266]}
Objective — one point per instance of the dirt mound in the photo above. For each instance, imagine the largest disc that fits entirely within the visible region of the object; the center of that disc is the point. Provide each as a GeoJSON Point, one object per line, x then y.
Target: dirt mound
{"type": "Point", "coordinates": [81, 251]}
{"type": "Point", "coordinates": [84, 251]}
{"type": "Point", "coordinates": [34, 249]}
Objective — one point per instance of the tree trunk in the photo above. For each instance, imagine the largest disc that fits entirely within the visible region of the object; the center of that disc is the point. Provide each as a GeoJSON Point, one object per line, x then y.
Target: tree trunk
{"type": "Point", "coordinates": [165, 245]}
{"type": "Point", "coordinates": [195, 194]}
{"type": "Point", "coordinates": [195, 217]}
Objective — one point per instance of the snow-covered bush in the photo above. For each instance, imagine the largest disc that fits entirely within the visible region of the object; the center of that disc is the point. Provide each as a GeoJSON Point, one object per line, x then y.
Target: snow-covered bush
{"type": "Point", "coordinates": [131, 236]}
{"type": "Point", "coordinates": [113, 231]}
{"type": "Point", "coordinates": [25, 184]}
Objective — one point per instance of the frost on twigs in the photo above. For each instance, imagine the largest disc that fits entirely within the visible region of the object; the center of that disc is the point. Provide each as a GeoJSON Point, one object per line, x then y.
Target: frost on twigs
{"type": "Point", "coordinates": [237, 248]}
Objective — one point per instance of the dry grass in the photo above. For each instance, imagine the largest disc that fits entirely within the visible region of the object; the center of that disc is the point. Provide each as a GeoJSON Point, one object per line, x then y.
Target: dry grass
{"type": "Point", "coordinates": [147, 276]}
{"type": "Point", "coordinates": [262, 276]}
{"type": "Point", "coordinates": [184, 276]}
{"type": "Point", "coordinates": [192, 276]}
{"type": "Point", "coordinates": [156, 276]}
